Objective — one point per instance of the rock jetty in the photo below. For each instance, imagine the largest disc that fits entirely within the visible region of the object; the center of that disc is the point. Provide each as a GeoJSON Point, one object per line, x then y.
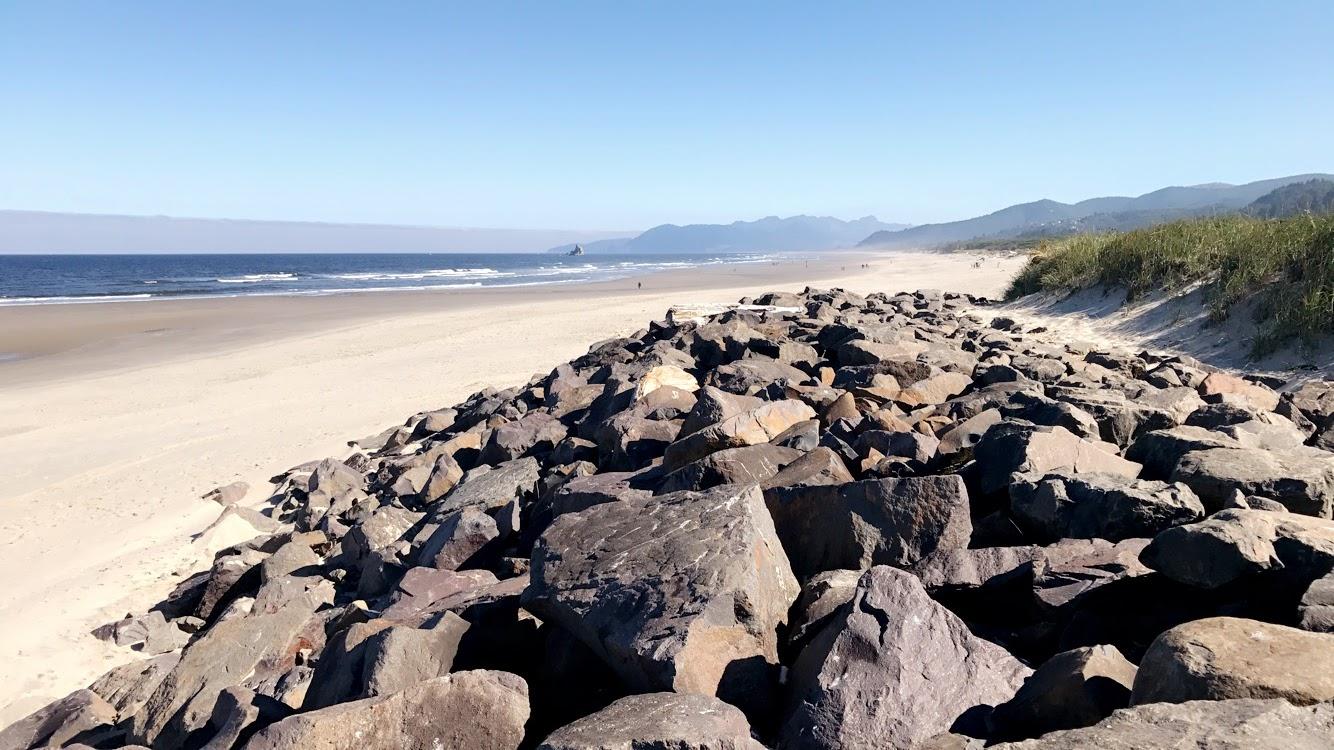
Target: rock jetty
{"type": "Point", "coordinates": [816, 520]}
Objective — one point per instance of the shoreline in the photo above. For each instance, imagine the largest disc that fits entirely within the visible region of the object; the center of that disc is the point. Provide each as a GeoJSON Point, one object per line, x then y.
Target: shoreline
{"type": "Point", "coordinates": [165, 325]}
{"type": "Point", "coordinates": [116, 433]}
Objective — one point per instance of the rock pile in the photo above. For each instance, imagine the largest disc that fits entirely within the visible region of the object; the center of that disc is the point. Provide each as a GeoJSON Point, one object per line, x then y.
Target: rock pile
{"type": "Point", "coordinates": [832, 522]}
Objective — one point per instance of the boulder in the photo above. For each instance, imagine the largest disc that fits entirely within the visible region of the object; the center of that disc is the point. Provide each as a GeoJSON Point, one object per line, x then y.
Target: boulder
{"type": "Point", "coordinates": [488, 489]}
{"type": "Point", "coordinates": [759, 425]}
{"type": "Point", "coordinates": [1225, 725]}
{"type": "Point", "coordinates": [966, 569]}
{"type": "Point", "coordinates": [1303, 482]}
{"type": "Point", "coordinates": [67, 720]}
{"type": "Point", "coordinates": [479, 710]}
{"type": "Point", "coordinates": [1072, 568]}
{"type": "Point", "coordinates": [1105, 506]}
{"type": "Point", "coordinates": [852, 526]}
{"type": "Point", "coordinates": [820, 466]}
{"type": "Point", "coordinates": [665, 375]}
{"type": "Point", "coordinates": [1221, 383]}
{"type": "Point", "coordinates": [936, 389]}
{"type": "Point", "coordinates": [445, 474]}
{"type": "Point", "coordinates": [231, 651]}
{"type": "Point", "coordinates": [1234, 545]}
{"type": "Point", "coordinates": [1016, 447]}
{"type": "Point", "coordinates": [681, 592]}
{"type": "Point", "coordinates": [534, 433]}
{"type": "Point", "coordinates": [752, 464]}
{"type": "Point", "coordinates": [892, 670]}
{"type": "Point", "coordinates": [127, 687]}
{"type": "Point", "coordinates": [714, 405]}
{"type": "Point", "coordinates": [1316, 610]}
{"type": "Point", "coordinates": [458, 539]}
{"type": "Point", "coordinates": [658, 721]}
{"type": "Point", "coordinates": [581, 493]}
{"type": "Point", "coordinates": [1076, 688]}
{"type": "Point", "coordinates": [1219, 658]}
{"type": "Point", "coordinates": [399, 656]}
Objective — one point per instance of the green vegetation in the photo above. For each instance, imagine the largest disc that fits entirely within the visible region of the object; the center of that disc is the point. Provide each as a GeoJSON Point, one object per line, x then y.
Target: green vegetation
{"type": "Point", "coordinates": [1310, 197]}
{"type": "Point", "coordinates": [1285, 265]}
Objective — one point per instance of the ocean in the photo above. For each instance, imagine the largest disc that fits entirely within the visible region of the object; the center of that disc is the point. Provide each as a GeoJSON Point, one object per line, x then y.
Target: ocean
{"type": "Point", "coordinates": [55, 279]}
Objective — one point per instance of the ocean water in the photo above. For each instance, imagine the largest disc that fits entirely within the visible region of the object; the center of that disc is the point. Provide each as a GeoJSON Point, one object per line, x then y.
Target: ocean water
{"type": "Point", "coordinates": [55, 279]}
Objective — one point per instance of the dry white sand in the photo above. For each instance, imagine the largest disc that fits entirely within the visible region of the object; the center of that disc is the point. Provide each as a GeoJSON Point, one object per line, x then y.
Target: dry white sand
{"type": "Point", "coordinates": [134, 410]}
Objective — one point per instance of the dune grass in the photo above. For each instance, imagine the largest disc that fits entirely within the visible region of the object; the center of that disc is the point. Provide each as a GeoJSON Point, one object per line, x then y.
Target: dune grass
{"type": "Point", "coordinates": [1285, 265]}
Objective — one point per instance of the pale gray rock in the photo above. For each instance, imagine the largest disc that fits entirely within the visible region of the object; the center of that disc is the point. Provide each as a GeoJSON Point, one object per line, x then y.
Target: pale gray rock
{"type": "Point", "coordinates": [658, 721]}
{"type": "Point", "coordinates": [1218, 658]}
{"type": "Point", "coordinates": [478, 710]}
{"type": "Point", "coordinates": [399, 656]}
{"type": "Point", "coordinates": [1015, 447]}
{"type": "Point", "coordinates": [1216, 725]}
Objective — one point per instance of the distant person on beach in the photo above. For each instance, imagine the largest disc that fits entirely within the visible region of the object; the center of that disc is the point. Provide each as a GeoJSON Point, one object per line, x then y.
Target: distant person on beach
{"type": "Point", "coordinates": [639, 285]}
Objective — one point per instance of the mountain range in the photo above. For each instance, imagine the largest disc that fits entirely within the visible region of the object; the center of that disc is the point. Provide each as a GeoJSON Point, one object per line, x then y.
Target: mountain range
{"type": "Point", "coordinates": [769, 234]}
{"type": "Point", "coordinates": [1046, 217]}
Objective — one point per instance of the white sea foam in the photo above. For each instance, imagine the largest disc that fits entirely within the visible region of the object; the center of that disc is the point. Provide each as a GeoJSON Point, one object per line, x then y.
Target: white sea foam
{"type": "Point", "coordinates": [18, 301]}
{"type": "Point", "coordinates": [252, 278]}
{"type": "Point", "coordinates": [436, 273]}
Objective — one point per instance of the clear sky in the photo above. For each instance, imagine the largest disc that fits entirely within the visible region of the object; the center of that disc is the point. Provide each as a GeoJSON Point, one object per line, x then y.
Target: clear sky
{"type": "Point", "coordinates": [621, 115]}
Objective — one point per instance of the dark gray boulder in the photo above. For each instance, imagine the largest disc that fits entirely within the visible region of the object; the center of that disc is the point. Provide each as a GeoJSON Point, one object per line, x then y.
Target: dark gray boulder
{"type": "Point", "coordinates": [852, 526]}
{"type": "Point", "coordinates": [1076, 688]}
{"type": "Point", "coordinates": [1234, 545]}
{"type": "Point", "coordinates": [894, 669]}
{"type": "Point", "coordinates": [1105, 506]}
{"type": "Point", "coordinates": [681, 592]}
{"type": "Point", "coordinates": [752, 464]}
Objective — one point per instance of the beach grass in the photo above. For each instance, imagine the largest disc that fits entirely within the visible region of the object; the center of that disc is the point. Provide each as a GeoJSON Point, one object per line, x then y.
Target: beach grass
{"type": "Point", "coordinates": [1285, 266]}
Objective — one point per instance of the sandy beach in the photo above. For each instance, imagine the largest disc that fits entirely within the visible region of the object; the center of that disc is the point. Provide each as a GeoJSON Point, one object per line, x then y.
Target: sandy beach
{"type": "Point", "coordinates": [117, 417]}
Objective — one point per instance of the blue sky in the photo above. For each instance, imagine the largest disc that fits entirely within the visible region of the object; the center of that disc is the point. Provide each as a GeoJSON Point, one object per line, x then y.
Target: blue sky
{"type": "Point", "coordinates": [621, 115]}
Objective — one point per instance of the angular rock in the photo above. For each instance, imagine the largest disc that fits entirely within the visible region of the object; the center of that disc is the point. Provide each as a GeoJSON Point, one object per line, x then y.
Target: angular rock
{"type": "Point", "coordinates": [1072, 568]}
{"type": "Point", "coordinates": [752, 464]}
{"type": "Point", "coordinates": [894, 669]}
{"type": "Point", "coordinates": [534, 433]}
{"type": "Point", "coordinates": [228, 653]}
{"type": "Point", "coordinates": [67, 720]}
{"type": "Point", "coordinates": [855, 525]}
{"type": "Point", "coordinates": [446, 712]}
{"type": "Point", "coordinates": [714, 405]}
{"type": "Point", "coordinates": [680, 592]}
{"type": "Point", "coordinates": [658, 721]}
{"type": "Point", "coordinates": [1104, 506]}
{"type": "Point", "coordinates": [1076, 688]}
{"type": "Point", "coordinates": [759, 425]}
{"type": "Point", "coordinates": [1258, 396]}
{"type": "Point", "coordinates": [1304, 483]}
{"type": "Point", "coordinates": [820, 599]}
{"type": "Point", "coordinates": [488, 490]}
{"type": "Point", "coordinates": [1316, 610]}
{"type": "Point", "coordinates": [398, 656]}
{"type": "Point", "coordinates": [1015, 447]}
{"type": "Point", "coordinates": [1233, 545]}
{"type": "Point", "coordinates": [458, 539]}
{"type": "Point", "coordinates": [1219, 658]}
